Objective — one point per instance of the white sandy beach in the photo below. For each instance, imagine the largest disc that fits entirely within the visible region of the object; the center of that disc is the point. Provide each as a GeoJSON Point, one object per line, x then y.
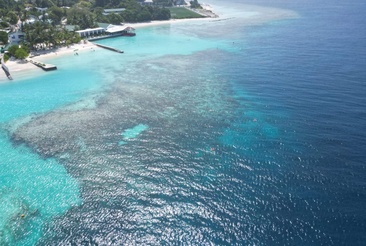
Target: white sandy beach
{"type": "Point", "coordinates": [20, 68]}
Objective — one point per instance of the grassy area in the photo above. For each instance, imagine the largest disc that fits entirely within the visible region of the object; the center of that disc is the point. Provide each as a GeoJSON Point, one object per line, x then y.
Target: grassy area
{"type": "Point", "coordinates": [183, 13]}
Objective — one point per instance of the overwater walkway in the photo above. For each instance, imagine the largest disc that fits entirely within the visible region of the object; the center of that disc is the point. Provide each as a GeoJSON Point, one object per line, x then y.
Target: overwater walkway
{"type": "Point", "coordinates": [44, 66]}
{"type": "Point", "coordinates": [109, 48]}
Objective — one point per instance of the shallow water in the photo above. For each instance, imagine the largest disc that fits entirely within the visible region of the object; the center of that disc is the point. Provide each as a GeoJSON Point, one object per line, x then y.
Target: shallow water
{"type": "Point", "coordinates": [200, 133]}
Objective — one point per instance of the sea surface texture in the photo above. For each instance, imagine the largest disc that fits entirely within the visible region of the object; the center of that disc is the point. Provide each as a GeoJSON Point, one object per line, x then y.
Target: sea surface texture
{"type": "Point", "coordinates": [245, 130]}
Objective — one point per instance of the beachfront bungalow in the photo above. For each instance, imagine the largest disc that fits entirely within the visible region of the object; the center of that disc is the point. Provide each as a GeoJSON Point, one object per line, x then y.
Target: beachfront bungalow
{"type": "Point", "coordinates": [91, 32]}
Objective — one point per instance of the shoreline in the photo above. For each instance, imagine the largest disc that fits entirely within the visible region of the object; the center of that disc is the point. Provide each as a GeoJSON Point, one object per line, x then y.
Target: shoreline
{"type": "Point", "coordinates": [253, 15]}
{"type": "Point", "coordinates": [21, 68]}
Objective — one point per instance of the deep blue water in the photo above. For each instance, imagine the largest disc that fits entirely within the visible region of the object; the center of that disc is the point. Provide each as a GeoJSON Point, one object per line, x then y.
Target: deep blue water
{"type": "Point", "coordinates": [308, 79]}
{"type": "Point", "coordinates": [259, 141]}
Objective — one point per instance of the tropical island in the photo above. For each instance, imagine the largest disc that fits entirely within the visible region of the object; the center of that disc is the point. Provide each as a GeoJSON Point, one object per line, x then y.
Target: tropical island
{"type": "Point", "coordinates": [46, 25]}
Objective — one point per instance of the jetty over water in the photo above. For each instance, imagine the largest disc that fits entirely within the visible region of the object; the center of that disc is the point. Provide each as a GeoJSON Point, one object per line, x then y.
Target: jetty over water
{"type": "Point", "coordinates": [44, 66]}
{"type": "Point", "coordinates": [109, 48]}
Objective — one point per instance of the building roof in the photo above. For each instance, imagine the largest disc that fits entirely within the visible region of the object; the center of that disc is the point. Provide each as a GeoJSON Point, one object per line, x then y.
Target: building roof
{"type": "Point", "coordinates": [129, 29]}
{"type": "Point", "coordinates": [70, 28]}
{"type": "Point", "coordinates": [17, 32]}
{"type": "Point", "coordinates": [91, 29]}
{"type": "Point", "coordinates": [104, 25]}
{"type": "Point", "coordinates": [114, 28]}
{"type": "Point", "coordinates": [114, 10]}
{"type": "Point", "coordinates": [41, 9]}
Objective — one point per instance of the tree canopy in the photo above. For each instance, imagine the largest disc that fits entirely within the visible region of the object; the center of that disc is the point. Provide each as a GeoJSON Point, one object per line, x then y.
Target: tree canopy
{"type": "Point", "coordinates": [81, 17]}
{"type": "Point", "coordinates": [18, 52]}
{"type": "Point", "coordinates": [3, 37]}
{"type": "Point", "coordinates": [195, 4]}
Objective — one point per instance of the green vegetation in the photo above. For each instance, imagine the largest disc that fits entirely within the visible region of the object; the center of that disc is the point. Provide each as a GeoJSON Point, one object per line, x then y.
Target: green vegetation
{"type": "Point", "coordinates": [195, 4]}
{"type": "Point", "coordinates": [18, 52]}
{"type": "Point", "coordinates": [164, 3]}
{"type": "Point", "coordinates": [6, 57]}
{"type": "Point", "coordinates": [81, 17]}
{"type": "Point", "coordinates": [134, 12]}
{"type": "Point", "coordinates": [3, 37]}
{"type": "Point", "coordinates": [42, 35]}
{"type": "Point", "coordinates": [7, 4]}
{"type": "Point", "coordinates": [21, 53]}
{"type": "Point", "coordinates": [183, 13]}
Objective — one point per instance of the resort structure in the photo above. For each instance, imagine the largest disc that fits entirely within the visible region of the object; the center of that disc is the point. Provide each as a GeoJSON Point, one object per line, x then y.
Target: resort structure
{"type": "Point", "coordinates": [90, 32]}
{"type": "Point", "coordinates": [105, 32]}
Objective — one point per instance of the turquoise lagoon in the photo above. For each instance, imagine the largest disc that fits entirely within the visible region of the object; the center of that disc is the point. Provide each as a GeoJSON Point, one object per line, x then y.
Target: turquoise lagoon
{"type": "Point", "coordinates": [227, 131]}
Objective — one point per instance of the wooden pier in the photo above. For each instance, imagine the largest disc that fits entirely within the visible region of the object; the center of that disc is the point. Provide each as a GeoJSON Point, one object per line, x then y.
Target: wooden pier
{"type": "Point", "coordinates": [44, 66]}
{"type": "Point", "coordinates": [109, 48]}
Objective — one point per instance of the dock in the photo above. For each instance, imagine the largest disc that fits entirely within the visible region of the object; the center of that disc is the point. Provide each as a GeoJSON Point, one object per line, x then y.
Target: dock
{"type": "Point", "coordinates": [44, 66]}
{"type": "Point", "coordinates": [109, 48]}
{"type": "Point", "coordinates": [103, 37]}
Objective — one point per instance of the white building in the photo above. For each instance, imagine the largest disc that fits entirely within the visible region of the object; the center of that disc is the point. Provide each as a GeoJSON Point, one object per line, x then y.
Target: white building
{"type": "Point", "coordinates": [148, 2]}
{"type": "Point", "coordinates": [91, 32]}
{"type": "Point", "coordinates": [114, 29]}
{"type": "Point", "coordinates": [110, 30]}
{"type": "Point", "coordinates": [16, 37]}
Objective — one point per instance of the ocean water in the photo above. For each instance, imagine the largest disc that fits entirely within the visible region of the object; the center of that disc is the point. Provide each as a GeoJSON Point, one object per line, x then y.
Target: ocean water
{"type": "Point", "coordinates": [248, 130]}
